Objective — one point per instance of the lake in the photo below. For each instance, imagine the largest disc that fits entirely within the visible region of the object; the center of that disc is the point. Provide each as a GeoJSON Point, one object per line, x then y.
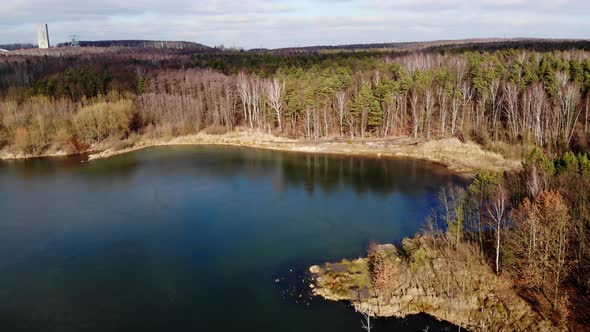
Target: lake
{"type": "Point", "coordinates": [205, 238]}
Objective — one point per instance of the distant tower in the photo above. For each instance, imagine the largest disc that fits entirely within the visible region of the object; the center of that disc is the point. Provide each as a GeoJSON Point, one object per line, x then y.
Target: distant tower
{"type": "Point", "coordinates": [75, 40]}
{"type": "Point", "coordinates": [43, 36]}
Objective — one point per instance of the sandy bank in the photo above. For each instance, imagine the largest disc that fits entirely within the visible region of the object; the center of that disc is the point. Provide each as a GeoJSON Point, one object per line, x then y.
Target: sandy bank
{"type": "Point", "coordinates": [463, 158]}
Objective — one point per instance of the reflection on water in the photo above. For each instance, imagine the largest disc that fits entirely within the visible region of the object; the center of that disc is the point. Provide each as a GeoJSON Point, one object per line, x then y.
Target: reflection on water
{"type": "Point", "coordinates": [194, 238]}
{"type": "Point", "coordinates": [309, 171]}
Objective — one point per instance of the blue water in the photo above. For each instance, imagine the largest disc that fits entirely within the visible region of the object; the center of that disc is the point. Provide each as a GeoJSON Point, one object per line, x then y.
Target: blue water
{"type": "Point", "coordinates": [197, 238]}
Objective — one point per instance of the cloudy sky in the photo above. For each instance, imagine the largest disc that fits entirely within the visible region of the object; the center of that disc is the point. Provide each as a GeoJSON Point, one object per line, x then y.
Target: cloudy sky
{"type": "Point", "coordinates": [285, 23]}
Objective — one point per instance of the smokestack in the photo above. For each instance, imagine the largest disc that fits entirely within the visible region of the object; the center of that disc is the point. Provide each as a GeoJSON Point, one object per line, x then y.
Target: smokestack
{"type": "Point", "coordinates": [43, 36]}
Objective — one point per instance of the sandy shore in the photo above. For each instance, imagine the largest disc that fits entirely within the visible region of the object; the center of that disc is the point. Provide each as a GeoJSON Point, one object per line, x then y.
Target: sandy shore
{"type": "Point", "coordinates": [463, 158]}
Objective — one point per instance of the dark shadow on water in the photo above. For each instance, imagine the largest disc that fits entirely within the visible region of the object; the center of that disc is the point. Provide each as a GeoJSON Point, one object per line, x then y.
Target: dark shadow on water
{"type": "Point", "coordinates": [309, 171]}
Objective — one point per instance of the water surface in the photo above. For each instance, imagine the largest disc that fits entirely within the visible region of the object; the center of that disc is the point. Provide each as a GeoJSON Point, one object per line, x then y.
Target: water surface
{"type": "Point", "coordinates": [197, 238]}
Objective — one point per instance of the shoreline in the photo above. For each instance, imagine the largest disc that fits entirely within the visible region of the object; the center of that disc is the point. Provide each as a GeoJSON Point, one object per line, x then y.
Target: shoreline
{"type": "Point", "coordinates": [464, 159]}
{"type": "Point", "coordinates": [419, 278]}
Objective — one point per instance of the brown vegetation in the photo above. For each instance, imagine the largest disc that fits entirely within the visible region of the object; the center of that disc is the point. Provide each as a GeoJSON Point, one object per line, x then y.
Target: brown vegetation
{"type": "Point", "coordinates": [495, 99]}
{"type": "Point", "coordinates": [427, 276]}
{"type": "Point", "coordinates": [538, 251]}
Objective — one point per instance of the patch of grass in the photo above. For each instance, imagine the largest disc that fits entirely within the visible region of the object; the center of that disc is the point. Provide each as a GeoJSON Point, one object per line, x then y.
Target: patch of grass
{"type": "Point", "coordinates": [509, 151]}
{"type": "Point", "coordinates": [359, 272]}
{"type": "Point", "coordinates": [343, 277]}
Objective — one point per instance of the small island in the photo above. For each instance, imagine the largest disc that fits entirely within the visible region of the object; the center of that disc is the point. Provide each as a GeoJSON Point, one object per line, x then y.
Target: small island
{"type": "Point", "coordinates": [420, 278]}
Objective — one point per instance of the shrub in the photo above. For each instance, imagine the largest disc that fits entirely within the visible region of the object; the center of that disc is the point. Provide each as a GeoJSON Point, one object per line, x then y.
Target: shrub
{"type": "Point", "coordinates": [569, 163]}
{"type": "Point", "coordinates": [22, 141]}
{"type": "Point", "coordinates": [61, 136]}
{"type": "Point", "coordinates": [584, 163]}
{"type": "Point", "coordinates": [419, 258]}
{"type": "Point", "coordinates": [537, 157]}
{"type": "Point", "coordinates": [102, 120]}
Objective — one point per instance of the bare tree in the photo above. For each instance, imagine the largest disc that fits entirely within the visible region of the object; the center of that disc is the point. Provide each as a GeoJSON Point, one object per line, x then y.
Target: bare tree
{"type": "Point", "coordinates": [467, 95]}
{"type": "Point", "coordinates": [537, 105]}
{"type": "Point", "coordinates": [586, 108]}
{"type": "Point", "coordinates": [533, 181]}
{"type": "Point", "coordinates": [428, 108]}
{"type": "Point", "coordinates": [274, 91]}
{"type": "Point", "coordinates": [497, 210]}
{"type": "Point", "coordinates": [389, 114]}
{"type": "Point", "coordinates": [460, 69]}
{"type": "Point", "coordinates": [308, 123]}
{"type": "Point", "coordinates": [454, 110]}
{"type": "Point", "coordinates": [511, 108]}
{"type": "Point", "coordinates": [496, 105]}
{"type": "Point", "coordinates": [256, 101]}
{"type": "Point", "coordinates": [243, 86]}
{"type": "Point", "coordinates": [366, 321]}
{"type": "Point", "coordinates": [350, 119]}
{"type": "Point", "coordinates": [569, 96]}
{"type": "Point", "coordinates": [443, 110]}
{"type": "Point", "coordinates": [414, 98]}
{"type": "Point", "coordinates": [341, 108]}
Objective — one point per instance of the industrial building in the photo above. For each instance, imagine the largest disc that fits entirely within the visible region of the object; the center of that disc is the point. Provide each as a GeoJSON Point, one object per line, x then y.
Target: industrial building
{"type": "Point", "coordinates": [43, 36]}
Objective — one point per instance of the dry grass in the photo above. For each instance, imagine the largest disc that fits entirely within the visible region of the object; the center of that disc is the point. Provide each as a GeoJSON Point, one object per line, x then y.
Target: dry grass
{"type": "Point", "coordinates": [510, 151]}
{"type": "Point", "coordinates": [455, 285]}
{"type": "Point", "coordinates": [463, 158]}
{"type": "Point", "coordinates": [215, 130]}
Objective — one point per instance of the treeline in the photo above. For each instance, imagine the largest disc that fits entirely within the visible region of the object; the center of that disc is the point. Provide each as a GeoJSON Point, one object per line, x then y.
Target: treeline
{"type": "Point", "coordinates": [16, 46]}
{"type": "Point", "coordinates": [157, 44]}
{"type": "Point", "coordinates": [21, 69]}
{"type": "Point", "coordinates": [455, 46]}
{"type": "Point", "coordinates": [509, 96]}
{"type": "Point", "coordinates": [516, 97]}
{"type": "Point", "coordinates": [533, 226]}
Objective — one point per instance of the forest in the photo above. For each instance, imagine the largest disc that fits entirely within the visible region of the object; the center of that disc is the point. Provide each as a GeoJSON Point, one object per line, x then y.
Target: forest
{"type": "Point", "coordinates": [529, 104]}
{"type": "Point", "coordinates": [507, 252]}
{"type": "Point", "coordinates": [530, 226]}
{"type": "Point", "coordinates": [510, 96]}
